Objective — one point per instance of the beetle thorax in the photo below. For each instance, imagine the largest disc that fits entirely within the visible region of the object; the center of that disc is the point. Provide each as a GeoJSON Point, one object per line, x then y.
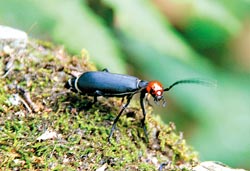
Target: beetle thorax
{"type": "Point", "coordinates": [155, 89]}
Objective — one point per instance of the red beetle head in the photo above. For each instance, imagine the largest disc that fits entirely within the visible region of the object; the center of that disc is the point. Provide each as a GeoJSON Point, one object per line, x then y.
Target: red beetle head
{"type": "Point", "coordinates": [156, 89]}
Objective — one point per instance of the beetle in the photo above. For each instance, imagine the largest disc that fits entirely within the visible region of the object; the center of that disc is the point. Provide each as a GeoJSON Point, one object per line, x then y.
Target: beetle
{"type": "Point", "coordinates": [104, 83]}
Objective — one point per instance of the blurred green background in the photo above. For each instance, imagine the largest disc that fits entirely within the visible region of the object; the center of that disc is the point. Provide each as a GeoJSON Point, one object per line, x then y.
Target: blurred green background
{"type": "Point", "coordinates": [166, 40]}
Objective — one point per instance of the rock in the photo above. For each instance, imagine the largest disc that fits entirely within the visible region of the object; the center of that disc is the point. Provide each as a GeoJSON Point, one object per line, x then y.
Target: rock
{"type": "Point", "coordinates": [213, 166]}
{"type": "Point", "coordinates": [12, 39]}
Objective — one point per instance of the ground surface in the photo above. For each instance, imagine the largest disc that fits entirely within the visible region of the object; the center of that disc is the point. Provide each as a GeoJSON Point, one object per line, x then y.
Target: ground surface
{"type": "Point", "coordinates": [44, 126]}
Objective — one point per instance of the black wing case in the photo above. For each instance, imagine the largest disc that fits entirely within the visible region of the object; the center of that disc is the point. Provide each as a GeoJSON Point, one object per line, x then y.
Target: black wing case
{"type": "Point", "coordinates": [108, 84]}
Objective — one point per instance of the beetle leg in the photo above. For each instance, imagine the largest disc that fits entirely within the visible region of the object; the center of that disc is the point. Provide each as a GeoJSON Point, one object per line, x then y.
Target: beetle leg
{"type": "Point", "coordinates": [97, 93]}
{"type": "Point", "coordinates": [105, 70]}
{"type": "Point", "coordinates": [142, 96]}
{"type": "Point", "coordinates": [117, 118]}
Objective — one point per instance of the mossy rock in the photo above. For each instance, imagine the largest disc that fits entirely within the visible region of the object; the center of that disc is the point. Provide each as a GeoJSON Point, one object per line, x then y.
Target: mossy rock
{"type": "Point", "coordinates": [34, 103]}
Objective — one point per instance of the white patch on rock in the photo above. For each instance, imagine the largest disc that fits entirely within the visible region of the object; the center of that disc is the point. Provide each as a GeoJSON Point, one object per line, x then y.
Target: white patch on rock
{"type": "Point", "coordinates": [11, 38]}
{"type": "Point", "coordinates": [47, 135]}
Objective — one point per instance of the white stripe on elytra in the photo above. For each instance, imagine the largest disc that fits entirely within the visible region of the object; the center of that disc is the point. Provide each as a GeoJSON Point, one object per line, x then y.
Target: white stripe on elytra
{"type": "Point", "coordinates": [69, 82]}
{"type": "Point", "coordinates": [76, 86]}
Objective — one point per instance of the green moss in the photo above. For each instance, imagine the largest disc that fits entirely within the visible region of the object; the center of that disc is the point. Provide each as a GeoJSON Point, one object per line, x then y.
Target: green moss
{"type": "Point", "coordinates": [81, 129]}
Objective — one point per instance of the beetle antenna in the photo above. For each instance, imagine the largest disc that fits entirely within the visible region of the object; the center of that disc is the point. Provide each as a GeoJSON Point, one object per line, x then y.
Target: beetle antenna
{"type": "Point", "coordinates": [192, 81]}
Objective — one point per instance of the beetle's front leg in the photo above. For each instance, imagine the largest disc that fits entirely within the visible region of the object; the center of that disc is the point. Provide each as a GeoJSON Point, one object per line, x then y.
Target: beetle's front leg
{"type": "Point", "coordinates": [142, 96]}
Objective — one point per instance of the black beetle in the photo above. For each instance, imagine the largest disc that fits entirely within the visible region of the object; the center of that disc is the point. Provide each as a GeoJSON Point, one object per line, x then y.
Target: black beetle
{"type": "Point", "coordinates": [104, 83]}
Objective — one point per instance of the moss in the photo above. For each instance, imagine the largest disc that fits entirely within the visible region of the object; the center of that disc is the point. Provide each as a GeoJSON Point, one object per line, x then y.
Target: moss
{"type": "Point", "coordinates": [81, 129]}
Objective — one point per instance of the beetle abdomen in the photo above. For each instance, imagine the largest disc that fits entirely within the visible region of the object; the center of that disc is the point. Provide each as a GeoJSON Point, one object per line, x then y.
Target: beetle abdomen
{"type": "Point", "coordinates": [108, 84]}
